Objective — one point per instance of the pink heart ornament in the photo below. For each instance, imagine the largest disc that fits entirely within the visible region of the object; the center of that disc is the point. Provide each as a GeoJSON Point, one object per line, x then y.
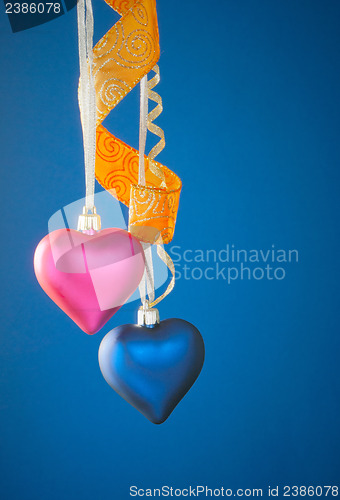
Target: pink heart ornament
{"type": "Point", "coordinates": [89, 276]}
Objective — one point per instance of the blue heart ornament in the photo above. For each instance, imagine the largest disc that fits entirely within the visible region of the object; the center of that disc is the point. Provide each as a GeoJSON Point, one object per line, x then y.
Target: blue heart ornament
{"type": "Point", "coordinates": [152, 368]}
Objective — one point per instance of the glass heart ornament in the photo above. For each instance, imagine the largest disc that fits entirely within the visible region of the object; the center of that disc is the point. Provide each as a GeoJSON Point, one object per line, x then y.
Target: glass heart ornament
{"type": "Point", "coordinates": [89, 274]}
{"type": "Point", "coordinates": [152, 365]}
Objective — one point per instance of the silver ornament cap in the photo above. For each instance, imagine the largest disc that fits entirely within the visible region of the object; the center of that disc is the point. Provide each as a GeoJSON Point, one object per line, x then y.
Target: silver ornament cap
{"type": "Point", "coordinates": [88, 222]}
{"type": "Point", "coordinates": [148, 317]}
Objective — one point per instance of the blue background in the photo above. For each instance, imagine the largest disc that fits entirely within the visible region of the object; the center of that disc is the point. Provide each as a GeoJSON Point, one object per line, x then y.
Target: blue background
{"type": "Point", "coordinates": [251, 96]}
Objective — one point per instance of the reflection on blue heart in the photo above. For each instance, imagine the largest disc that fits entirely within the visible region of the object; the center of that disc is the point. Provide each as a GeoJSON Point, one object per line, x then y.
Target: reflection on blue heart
{"type": "Point", "coordinates": [152, 368]}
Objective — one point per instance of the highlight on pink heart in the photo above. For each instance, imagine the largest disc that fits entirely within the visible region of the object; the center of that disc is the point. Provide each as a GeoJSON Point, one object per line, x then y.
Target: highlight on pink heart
{"type": "Point", "coordinates": [89, 276]}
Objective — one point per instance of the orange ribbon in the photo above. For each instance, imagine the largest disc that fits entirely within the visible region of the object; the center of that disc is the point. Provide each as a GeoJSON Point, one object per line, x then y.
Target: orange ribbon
{"type": "Point", "coordinates": [128, 51]}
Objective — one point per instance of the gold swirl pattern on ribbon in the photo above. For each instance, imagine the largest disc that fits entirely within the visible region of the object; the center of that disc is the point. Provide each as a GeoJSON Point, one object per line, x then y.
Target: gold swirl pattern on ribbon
{"type": "Point", "coordinates": [128, 51]}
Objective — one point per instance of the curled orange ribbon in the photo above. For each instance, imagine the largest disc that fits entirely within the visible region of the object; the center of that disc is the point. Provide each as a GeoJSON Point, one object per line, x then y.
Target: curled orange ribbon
{"type": "Point", "coordinates": [128, 51]}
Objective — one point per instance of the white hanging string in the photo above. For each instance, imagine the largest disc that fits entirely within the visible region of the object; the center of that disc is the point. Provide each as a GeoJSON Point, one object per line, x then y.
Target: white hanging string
{"type": "Point", "coordinates": [148, 283]}
{"type": "Point", "coordinates": [87, 96]}
{"type": "Point", "coordinates": [143, 125]}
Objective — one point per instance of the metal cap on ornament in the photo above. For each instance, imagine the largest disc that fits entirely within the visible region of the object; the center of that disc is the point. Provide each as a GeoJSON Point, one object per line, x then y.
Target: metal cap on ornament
{"type": "Point", "coordinates": [147, 317]}
{"type": "Point", "coordinates": [89, 221]}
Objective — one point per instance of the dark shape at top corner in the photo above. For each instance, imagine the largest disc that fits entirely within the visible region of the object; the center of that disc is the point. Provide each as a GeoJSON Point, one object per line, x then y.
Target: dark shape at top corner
{"type": "Point", "coordinates": [45, 11]}
{"type": "Point", "coordinates": [69, 4]}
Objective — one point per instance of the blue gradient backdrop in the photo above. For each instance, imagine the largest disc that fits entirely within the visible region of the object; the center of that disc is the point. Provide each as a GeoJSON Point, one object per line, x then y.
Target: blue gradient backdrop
{"type": "Point", "coordinates": [251, 95]}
